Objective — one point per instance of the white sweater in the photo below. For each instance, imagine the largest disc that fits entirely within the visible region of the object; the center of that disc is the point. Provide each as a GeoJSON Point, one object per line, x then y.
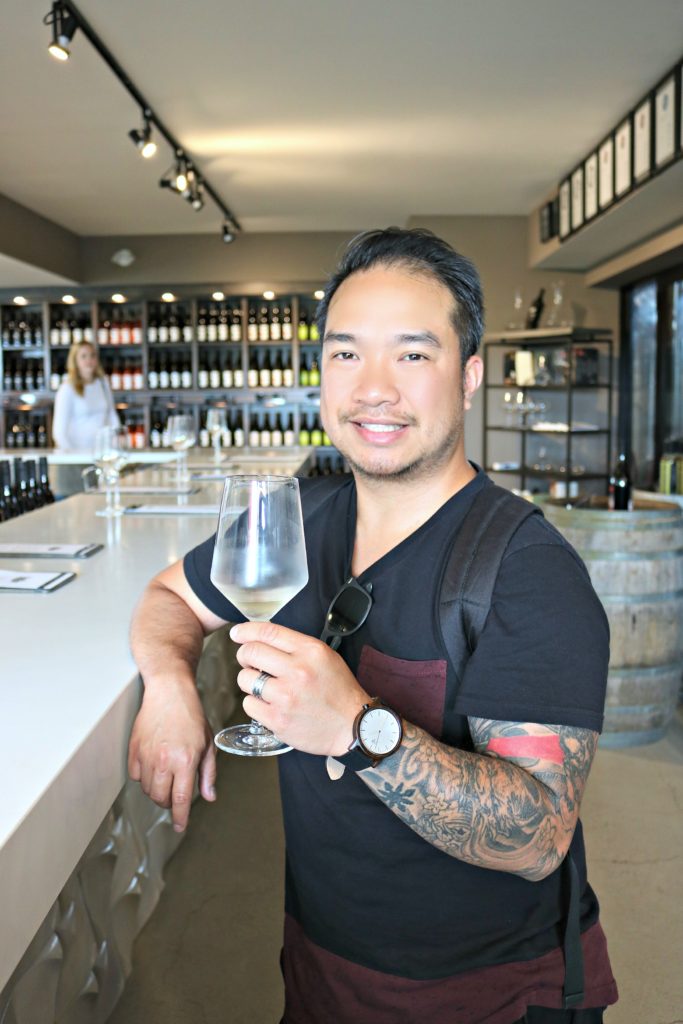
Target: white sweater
{"type": "Point", "coordinates": [77, 418]}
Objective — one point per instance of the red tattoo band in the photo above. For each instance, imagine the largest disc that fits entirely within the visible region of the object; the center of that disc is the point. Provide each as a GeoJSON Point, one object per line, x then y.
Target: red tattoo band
{"type": "Point", "coordinates": [544, 748]}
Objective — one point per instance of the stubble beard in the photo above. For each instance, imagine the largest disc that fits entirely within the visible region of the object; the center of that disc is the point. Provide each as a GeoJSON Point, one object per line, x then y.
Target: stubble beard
{"type": "Point", "coordinates": [423, 465]}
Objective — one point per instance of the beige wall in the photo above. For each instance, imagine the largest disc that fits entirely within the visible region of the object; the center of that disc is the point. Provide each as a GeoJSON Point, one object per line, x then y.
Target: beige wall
{"type": "Point", "coordinates": [498, 247]}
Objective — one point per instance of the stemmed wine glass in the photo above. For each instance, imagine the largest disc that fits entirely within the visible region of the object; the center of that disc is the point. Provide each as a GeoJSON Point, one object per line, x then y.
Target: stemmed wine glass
{"type": "Point", "coordinates": [110, 454]}
{"type": "Point", "coordinates": [259, 564]}
{"type": "Point", "coordinates": [182, 437]}
{"type": "Point", "coordinates": [216, 423]}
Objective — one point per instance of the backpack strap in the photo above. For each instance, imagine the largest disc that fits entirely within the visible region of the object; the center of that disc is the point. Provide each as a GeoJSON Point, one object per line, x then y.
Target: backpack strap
{"type": "Point", "coordinates": [467, 585]}
{"type": "Point", "coordinates": [472, 568]}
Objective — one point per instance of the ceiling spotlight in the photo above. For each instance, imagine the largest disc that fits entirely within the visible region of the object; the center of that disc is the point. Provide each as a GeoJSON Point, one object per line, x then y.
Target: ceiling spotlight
{"type": "Point", "coordinates": [175, 177]}
{"type": "Point", "coordinates": [218, 296]}
{"type": "Point", "coordinates": [196, 197]}
{"type": "Point", "coordinates": [228, 234]}
{"type": "Point", "coordinates": [118, 297]}
{"type": "Point", "coordinates": [64, 27]}
{"type": "Point", "coordinates": [69, 299]}
{"type": "Point", "coordinates": [320, 294]}
{"type": "Point", "coordinates": [19, 300]}
{"type": "Point", "coordinates": [168, 297]}
{"type": "Point", "coordinates": [269, 295]}
{"type": "Point", "coordinates": [142, 137]}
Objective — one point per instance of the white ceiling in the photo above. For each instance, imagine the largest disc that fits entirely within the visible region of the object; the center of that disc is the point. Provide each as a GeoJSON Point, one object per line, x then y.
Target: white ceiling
{"type": "Point", "coordinates": [313, 116]}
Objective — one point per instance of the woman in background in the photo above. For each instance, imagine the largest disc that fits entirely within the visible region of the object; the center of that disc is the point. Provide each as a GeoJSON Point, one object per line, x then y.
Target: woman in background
{"type": "Point", "coordinates": [83, 402]}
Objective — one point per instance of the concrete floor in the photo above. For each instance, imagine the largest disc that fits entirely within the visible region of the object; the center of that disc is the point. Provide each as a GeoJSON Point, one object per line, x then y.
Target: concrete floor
{"type": "Point", "coordinates": [209, 954]}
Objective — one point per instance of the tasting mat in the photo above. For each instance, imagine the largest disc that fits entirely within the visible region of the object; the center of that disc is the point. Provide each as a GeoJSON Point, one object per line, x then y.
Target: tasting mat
{"type": "Point", "coordinates": [13, 582]}
{"type": "Point", "coordinates": [49, 550]}
{"type": "Point", "coordinates": [171, 510]}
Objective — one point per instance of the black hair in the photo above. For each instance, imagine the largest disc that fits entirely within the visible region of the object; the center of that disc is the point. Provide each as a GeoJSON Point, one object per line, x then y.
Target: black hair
{"type": "Point", "coordinates": [423, 252]}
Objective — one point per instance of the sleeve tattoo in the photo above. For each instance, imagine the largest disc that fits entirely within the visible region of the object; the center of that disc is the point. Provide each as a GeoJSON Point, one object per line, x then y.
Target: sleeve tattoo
{"type": "Point", "coordinates": [511, 806]}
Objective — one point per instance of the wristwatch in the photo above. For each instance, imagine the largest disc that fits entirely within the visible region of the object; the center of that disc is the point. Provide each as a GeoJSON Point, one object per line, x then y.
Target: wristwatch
{"type": "Point", "coordinates": [377, 733]}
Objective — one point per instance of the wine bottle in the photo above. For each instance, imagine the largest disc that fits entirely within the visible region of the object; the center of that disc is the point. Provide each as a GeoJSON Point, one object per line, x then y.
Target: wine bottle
{"type": "Point", "coordinates": [138, 377]}
{"type": "Point", "coordinates": [64, 332]}
{"type": "Point", "coordinates": [302, 329]}
{"type": "Point", "coordinates": [115, 328]}
{"type": "Point", "coordinates": [125, 329]}
{"type": "Point", "coordinates": [314, 373]}
{"type": "Point", "coordinates": [8, 376]}
{"type": "Point", "coordinates": [34, 496]}
{"type": "Point", "coordinates": [21, 483]}
{"type": "Point", "coordinates": [153, 373]}
{"type": "Point", "coordinates": [263, 324]}
{"type": "Point", "coordinates": [155, 434]}
{"type": "Point", "coordinates": [186, 326]}
{"type": "Point", "coordinates": [287, 371]}
{"type": "Point", "coordinates": [304, 432]}
{"type": "Point", "coordinates": [226, 372]}
{"type": "Point", "coordinates": [223, 325]}
{"type": "Point", "coordinates": [153, 325]}
{"type": "Point", "coordinates": [214, 375]}
{"type": "Point", "coordinates": [236, 324]}
{"type": "Point", "coordinates": [287, 324]}
{"type": "Point", "coordinates": [254, 433]}
{"type": "Point", "coordinates": [535, 311]}
{"type": "Point", "coordinates": [201, 324]}
{"type": "Point", "coordinates": [115, 377]}
{"type": "Point", "coordinates": [29, 380]}
{"type": "Point", "coordinates": [44, 478]}
{"type": "Point", "coordinates": [304, 377]}
{"type": "Point", "coordinates": [136, 330]}
{"type": "Point", "coordinates": [313, 332]}
{"type": "Point", "coordinates": [18, 377]}
{"type": "Point", "coordinates": [186, 373]}
{"type": "Point", "coordinates": [264, 375]}
{"type": "Point", "coordinates": [163, 331]}
{"type": "Point", "coordinates": [316, 433]}
{"type": "Point", "coordinates": [252, 325]}
{"type": "Point", "coordinates": [253, 371]}
{"type": "Point", "coordinates": [276, 436]}
{"type": "Point", "coordinates": [620, 497]}
{"type": "Point", "coordinates": [276, 374]}
{"type": "Point", "coordinates": [275, 324]}
{"type": "Point", "coordinates": [174, 374]}
{"type": "Point", "coordinates": [237, 431]}
{"type": "Point", "coordinates": [203, 374]}
{"type": "Point", "coordinates": [164, 376]}
{"type": "Point", "coordinates": [212, 325]}
{"type": "Point", "coordinates": [237, 371]}
{"type": "Point", "coordinates": [265, 433]}
{"type": "Point", "coordinates": [127, 377]}
{"type": "Point", "coordinates": [289, 435]}
{"type": "Point", "coordinates": [76, 326]}
{"type": "Point", "coordinates": [174, 334]}
{"type": "Point", "coordinates": [55, 334]}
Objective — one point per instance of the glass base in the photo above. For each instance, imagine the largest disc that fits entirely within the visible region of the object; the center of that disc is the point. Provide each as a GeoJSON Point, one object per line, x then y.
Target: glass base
{"type": "Point", "coordinates": [249, 741]}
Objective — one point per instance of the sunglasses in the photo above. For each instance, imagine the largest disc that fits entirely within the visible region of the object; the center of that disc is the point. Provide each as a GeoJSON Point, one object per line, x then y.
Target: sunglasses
{"type": "Point", "coordinates": [348, 611]}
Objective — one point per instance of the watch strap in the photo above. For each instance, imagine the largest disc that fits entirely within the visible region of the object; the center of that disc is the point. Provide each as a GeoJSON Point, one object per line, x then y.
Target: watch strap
{"type": "Point", "coordinates": [356, 760]}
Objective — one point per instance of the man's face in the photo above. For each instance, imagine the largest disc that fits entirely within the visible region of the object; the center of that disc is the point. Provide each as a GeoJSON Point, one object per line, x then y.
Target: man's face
{"type": "Point", "coordinates": [392, 395]}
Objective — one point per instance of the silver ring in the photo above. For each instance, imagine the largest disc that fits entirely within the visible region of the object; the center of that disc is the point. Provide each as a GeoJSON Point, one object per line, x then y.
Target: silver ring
{"type": "Point", "coordinates": [261, 680]}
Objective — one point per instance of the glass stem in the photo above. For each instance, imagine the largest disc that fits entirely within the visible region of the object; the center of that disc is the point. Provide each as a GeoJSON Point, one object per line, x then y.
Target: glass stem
{"type": "Point", "coordinates": [217, 447]}
{"type": "Point", "coordinates": [256, 729]}
{"type": "Point", "coordinates": [109, 495]}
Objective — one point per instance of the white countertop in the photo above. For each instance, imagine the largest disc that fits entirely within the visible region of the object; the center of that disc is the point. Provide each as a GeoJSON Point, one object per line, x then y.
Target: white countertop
{"type": "Point", "coordinates": [69, 687]}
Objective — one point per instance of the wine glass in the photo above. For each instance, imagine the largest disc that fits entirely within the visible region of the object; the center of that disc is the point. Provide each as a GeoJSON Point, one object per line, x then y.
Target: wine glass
{"type": "Point", "coordinates": [110, 454]}
{"type": "Point", "coordinates": [216, 423]}
{"type": "Point", "coordinates": [182, 437]}
{"type": "Point", "coordinates": [259, 564]}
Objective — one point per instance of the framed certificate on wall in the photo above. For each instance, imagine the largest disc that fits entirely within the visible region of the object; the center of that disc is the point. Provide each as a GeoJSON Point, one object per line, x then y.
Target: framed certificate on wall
{"type": "Point", "coordinates": [642, 141]}
{"type": "Point", "coordinates": [623, 158]}
{"type": "Point", "coordinates": [606, 173]}
{"type": "Point", "coordinates": [565, 225]}
{"type": "Point", "coordinates": [577, 198]}
{"type": "Point", "coordinates": [590, 183]}
{"type": "Point", "coordinates": [665, 121]}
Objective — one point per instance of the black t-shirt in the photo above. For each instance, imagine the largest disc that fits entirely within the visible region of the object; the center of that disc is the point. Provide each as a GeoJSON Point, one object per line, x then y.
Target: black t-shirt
{"type": "Point", "coordinates": [360, 883]}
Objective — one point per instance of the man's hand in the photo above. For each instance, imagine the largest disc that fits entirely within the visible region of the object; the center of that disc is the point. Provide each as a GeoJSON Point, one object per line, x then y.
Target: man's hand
{"type": "Point", "coordinates": [171, 741]}
{"type": "Point", "coordinates": [312, 699]}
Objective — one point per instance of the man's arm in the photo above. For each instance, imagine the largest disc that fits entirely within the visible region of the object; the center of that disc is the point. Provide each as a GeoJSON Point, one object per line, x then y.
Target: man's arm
{"type": "Point", "coordinates": [511, 806]}
{"type": "Point", "coordinates": [171, 740]}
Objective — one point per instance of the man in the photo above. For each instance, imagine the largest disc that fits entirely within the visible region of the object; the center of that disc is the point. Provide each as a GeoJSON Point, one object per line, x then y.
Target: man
{"type": "Point", "coordinates": [425, 885]}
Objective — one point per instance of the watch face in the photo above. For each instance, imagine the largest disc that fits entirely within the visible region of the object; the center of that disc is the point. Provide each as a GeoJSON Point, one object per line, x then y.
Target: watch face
{"type": "Point", "coordinates": [379, 731]}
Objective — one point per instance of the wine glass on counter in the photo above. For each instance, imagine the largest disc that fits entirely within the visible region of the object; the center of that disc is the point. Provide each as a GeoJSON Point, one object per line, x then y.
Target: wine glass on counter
{"type": "Point", "coordinates": [216, 424]}
{"type": "Point", "coordinates": [259, 565]}
{"type": "Point", "coordinates": [181, 436]}
{"type": "Point", "coordinates": [110, 455]}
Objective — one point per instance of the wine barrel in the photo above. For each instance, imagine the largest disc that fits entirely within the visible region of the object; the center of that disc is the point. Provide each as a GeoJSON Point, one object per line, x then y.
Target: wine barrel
{"type": "Point", "coordinates": [635, 560]}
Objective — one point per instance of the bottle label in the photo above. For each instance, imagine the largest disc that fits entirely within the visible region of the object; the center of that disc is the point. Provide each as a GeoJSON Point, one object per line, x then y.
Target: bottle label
{"type": "Point", "coordinates": [187, 332]}
{"type": "Point", "coordinates": [238, 378]}
{"type": "Point", "coordinates": [235, 332]}
{"type": "Point", "coordinates": [288, 377]}
{"type": "Point", "coordinates": [152, 333]}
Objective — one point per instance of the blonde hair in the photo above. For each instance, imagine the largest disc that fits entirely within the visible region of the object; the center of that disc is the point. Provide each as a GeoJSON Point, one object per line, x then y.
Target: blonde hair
{"type": "Point", "coordinates": [75, 379]}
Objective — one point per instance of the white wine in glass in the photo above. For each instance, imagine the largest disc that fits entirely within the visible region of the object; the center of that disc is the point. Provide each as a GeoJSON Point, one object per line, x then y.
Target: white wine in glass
{"type": "Point", "coordinates": [259, 565]}
{"type": "Point", "coordinates": [110, 455]}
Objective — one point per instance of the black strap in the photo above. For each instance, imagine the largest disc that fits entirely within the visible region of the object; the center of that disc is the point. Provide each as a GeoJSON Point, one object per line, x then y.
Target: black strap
{"type": "Point", "coordinates": [573, 953]}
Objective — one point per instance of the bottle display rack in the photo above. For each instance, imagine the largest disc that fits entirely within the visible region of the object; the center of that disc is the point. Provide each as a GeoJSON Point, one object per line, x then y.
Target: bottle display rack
{"type": "Point", "coordinates": [548, 409]}
{"type": "Point", "coordinates": [258, 358]}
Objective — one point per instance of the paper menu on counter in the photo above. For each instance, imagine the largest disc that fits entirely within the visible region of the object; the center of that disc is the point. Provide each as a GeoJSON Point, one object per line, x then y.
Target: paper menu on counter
{"type": "Point", "coordinates": [48, 550]}
{"type": "Point", "coordinates": [171, 510]}
{"type": "Point", "coordinates": [33, 582]}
